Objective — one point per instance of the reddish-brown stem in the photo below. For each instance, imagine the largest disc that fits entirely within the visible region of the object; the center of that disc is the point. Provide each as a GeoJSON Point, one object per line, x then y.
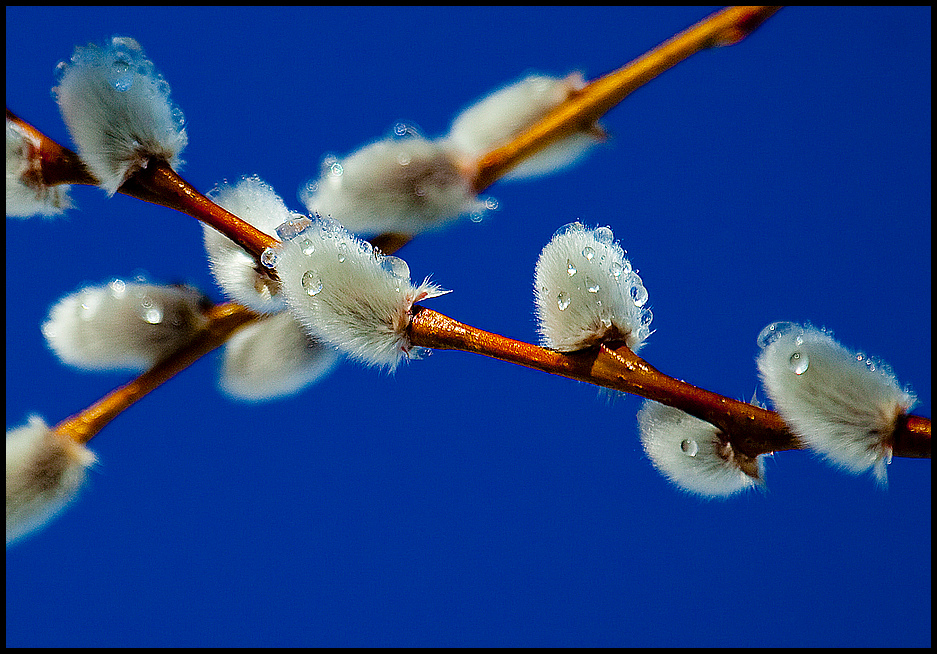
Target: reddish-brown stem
{"type": "Point", "coordinates": [751, 429]}
{"type": "Point", "coordinates": [224, 319]}
{"type": "Point", "coordinates": [56, 164]}
{"type": "Point", "coordinates": [160, 184]}
{"type": "Point", "coordinates": [157, 183]}
{"type": "Point", "coordinates": [584, 108]}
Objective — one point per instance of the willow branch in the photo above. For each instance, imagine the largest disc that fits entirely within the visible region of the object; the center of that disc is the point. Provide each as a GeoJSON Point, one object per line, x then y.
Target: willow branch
{"type": "Point", "coordinates": [223, 320]}
{"type": "Point", "coordinates": [582, 109]}
{"type": "Point", "coordinates": [751, 429]}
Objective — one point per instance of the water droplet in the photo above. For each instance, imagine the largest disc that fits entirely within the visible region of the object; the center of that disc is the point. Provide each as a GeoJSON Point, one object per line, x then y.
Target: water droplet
{"type": "Point", "coordinates": [60, 69]}
{"type": "Point", "coordinates": [162, 87]}
{"type": "Point", "coordinates": [591, 285]}
{"type": "Point", "coordinates": [269, 258]}
{"type": "Point", "coordinates": [588, 253]}
{"type": "Point", "coordinates": [342, 251]}
{"type": "Point", "coordinates": [604, 235]}
{"type": "Point", "coordinates": [307, 246]}
{"type": "Point", "coordinates": [151, 313]}
{"type": "Point", "coordinates": [491, 204]}
{"type": "Point", "coordinates": [177, 117]}
{"type": "Point", "coordinates": [336, 170]}
{"type": "Point", "coordinates": [773, 332]}
{"type": "Point", "coordinates": [121, 77]}
{"type": "Point", "coordinates": [417, 353]}
{"type": "Point", "coordinates": [396, 267]}
{"type": "Point", "coordinates": [689, 447]}
{"type": "Point", "coordinates": [329, 227]}
{"type": "Point", "coordinates": [569, 228]}
{"type": "Point", "coordinates": [645, 318]}
{"type": "Point", "coordinates": [639, 294]}
{"type": "Point", "coordinates": [311, 282]}
{"type": "Point", "coordinates": [563, 300]}
{"type": "Point", "coordinates": [293, 227]}
{"type": "Point", "coordinates": [799, 363]}
{"type": "Point", "coordinates": [404, 131]}
{"type": "Point", "coordinates": [118, 287]}
{"type": "Point", "coordinates": [570, 268]}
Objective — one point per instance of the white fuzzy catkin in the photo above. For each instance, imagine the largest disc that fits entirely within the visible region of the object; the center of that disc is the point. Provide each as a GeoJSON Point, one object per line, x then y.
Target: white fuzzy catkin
{"type": "Point", "coordinates": [406, 185]}
{"type": "Point", "coordinates": [255, 202]}
{"type": "Point", "coordinates": [841, 403]}
{"type": "Point", "coordinates": [26, 194]}
{"type": "Point", "coordinates": [118, 111]}
{"type": "Point", "coordinates": [690, 453]}
{"type": "Point", "coordinates": [273, 358]}
{"type": "Point", "coordinates": [499, 117]}
{"type": "Point", "coordinates": [348, 295]}
{"type": "Point", "coordinates": [586, 292]}
{"type": "Point", "coordinates": [45, 471]}
{"type": "Point", "coordinates": [122, 325]}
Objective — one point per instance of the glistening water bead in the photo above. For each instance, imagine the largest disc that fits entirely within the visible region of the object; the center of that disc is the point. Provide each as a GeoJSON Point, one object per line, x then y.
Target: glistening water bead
{"type": "Point", "coordinates": [799, 363]}
{"type": "Point", "coordinates": [311, 282]}
{"type": "Point", "coordinates": [269, 258]}
{"type": "Point", "coordinates": [773, 332]}
{"type": "Point", "coordinates": [689, 447]}
{"type": "Point", "coordinates": [563, 300]}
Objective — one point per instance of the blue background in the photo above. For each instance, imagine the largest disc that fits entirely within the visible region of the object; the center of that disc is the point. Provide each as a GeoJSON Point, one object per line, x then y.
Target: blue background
{"type": "Point", "coordinates": [465, 501]}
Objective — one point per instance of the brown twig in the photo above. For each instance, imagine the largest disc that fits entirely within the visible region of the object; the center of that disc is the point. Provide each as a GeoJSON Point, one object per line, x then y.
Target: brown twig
{"type": "Point", "coordinates": [751, 429]}
{"type": "Point", "coordinates": [224, 320]}
{"type": "Point", "coordinates": [584, 108]}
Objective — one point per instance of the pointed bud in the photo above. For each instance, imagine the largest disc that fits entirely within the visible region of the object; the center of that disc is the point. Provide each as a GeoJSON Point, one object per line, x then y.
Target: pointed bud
{"type": "Point", "coordinates": [45, 471]}
{"type": "Point", "coordinates": [348, 295]}
{"type": "Point", "coordinates": [586, 292]}
{"type": "Point", "coordinates": [26, 193]}
{"type": "Point", "coordinates": [694, 454]}
{"type": "Point", "coordinates": [255, 202]}
{"type": "Point", "coordinates": [842, 404]}
{"type": "Point", "coordinates": [501, 116]}
{"type": "Point", "coordinates": [118, 111]}
{"type": "Point", "coordinates": [273, 358]}
{"type": "Point", "coordinates": [122, 325]}
{"type": "Point", "coordinates": [407, 186]}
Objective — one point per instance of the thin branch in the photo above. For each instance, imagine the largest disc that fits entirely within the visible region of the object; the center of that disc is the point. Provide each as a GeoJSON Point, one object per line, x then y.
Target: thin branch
{"type": "Point", "coordinates": [224, 320]}
{"type": "Point", "coordinates": [751, 429]}
{"type": "Point", "coordinates": [584, 108]}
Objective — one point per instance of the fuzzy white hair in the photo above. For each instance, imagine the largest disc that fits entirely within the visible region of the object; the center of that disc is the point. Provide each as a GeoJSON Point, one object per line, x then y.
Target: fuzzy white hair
{"type": "Point", "coordinates": [691, 454]}
{"type": "Point", "coordinates": [45, 471]}
{"type": "Point", "coordinates": [348, 295]}
{"type": "Point", "coordinates": [842, 404]}
{"type": "Point", "coordinates": [407, 186]}
{"type": "Point", "coordinates": [255, 202]}
{"type": "Point", "coordinates": [122, 325]}
{"type": "Point", "coordinates": [273, 358]}
{"type": "Point", "coordinates": [26, 195]}
{"type": "Point", "coordinates": [118, 111]}
{"type": "Point", "coordinates": [586, 292]}
{"type": "Point", "coordinates": [500, 116]}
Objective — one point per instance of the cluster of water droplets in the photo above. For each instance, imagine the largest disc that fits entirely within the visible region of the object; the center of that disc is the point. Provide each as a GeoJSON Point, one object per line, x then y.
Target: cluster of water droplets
{"type": "Point", "coordinates": [124, 66]}
{"type": "Point", "coordinates": [799, 360]}
{"type": "Point", "coordinates": [607, 256]}
{"type": "Point", "coordinates": [306, 232]}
